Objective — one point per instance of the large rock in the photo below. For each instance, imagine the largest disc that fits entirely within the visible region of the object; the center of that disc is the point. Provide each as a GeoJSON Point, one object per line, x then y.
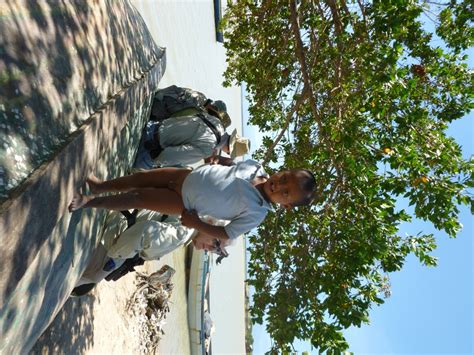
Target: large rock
{"type": "Point", "coordinates": [76, 81]}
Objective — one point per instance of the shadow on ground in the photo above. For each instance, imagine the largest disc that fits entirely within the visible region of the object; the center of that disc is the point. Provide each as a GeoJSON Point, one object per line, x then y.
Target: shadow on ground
{"type": "Point", "coordinates": [71, 332]}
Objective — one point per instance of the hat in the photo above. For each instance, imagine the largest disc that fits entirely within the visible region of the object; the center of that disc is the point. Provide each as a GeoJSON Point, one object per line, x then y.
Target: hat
{"type": "Point", "coordinates": [220, 108]}
{"type": "Point", "coordinates": [238, 145]}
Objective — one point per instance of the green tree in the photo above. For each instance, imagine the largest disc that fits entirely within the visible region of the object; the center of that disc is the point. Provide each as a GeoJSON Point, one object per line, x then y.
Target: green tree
{"type": "Point", "coordinates": [359, 93]}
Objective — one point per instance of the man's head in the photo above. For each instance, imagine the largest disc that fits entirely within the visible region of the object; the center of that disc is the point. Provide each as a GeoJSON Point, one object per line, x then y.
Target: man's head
{"type": "Point", "coordinates": [212, 244]}
{"type": "Point", "coordinates": [290, 188]}
{"type": "Point", "coordinates": [203, 244]}
{"type": "Point", "coordinates": [219, 109]}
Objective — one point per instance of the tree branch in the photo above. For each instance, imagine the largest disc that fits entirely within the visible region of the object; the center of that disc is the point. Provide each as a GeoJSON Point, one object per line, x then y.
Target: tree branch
{"type": "Point", "coordinates": [307, 89]}
{"type": "Point", "coordinates": [362, 10]}
{"type": "Point", "coordinates": [290, 114]}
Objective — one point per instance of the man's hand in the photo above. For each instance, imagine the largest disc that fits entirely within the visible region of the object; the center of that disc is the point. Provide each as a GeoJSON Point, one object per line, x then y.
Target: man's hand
{"type": "Point", "coordinates": [190, 219]}
{"type": "Point", "coordinates": [213, 160]}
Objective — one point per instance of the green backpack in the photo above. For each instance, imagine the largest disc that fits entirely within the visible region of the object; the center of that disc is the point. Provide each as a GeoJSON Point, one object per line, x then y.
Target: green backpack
{"type": "Point", "coordinates": [173, 99]}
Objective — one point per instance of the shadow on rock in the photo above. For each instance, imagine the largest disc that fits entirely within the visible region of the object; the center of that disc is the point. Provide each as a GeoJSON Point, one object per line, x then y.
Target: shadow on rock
{"type": "Point", "coordinates": [76, 79]}
{"type": "Point", "coordinates": [60, 61]}
{"type": "Point", "coordinates": [72, 331]}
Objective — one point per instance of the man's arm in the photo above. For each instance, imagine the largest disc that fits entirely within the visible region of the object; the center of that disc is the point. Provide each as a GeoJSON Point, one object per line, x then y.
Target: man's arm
{"type": "Point", "coordinates": [226, 161]}
{"type": "Point", "coordinates": [217, 159]}
{"type": "Point", "coordinates": [190, 219]}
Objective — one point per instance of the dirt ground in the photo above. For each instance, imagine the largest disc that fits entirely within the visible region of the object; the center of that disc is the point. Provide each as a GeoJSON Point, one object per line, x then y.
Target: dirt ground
{"type": "Point", "coordinates": [99, 323]}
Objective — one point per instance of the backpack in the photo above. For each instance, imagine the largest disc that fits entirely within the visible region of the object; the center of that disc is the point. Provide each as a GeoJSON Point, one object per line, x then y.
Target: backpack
{"type": "Point", "coordinates": [172, 99]}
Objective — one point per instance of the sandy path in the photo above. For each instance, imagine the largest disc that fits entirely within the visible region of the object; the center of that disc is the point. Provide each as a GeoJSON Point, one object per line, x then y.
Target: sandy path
{"type": "Point", "coordinates": [100, 324]}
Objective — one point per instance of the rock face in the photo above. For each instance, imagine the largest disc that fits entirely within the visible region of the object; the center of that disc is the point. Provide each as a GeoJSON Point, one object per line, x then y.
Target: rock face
{"type": "Point", "coordinates": [76, 82]}
{"type": "Point", "coordinates": [59, 63]}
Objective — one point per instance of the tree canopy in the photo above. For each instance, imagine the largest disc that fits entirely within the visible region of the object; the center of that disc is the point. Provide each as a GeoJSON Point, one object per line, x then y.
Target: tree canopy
{"type": "Point", "coordinates": [361, 93]}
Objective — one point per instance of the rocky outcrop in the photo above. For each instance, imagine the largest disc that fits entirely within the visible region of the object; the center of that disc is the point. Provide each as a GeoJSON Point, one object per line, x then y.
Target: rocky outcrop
{"type": "Point", "coordinates": [76, 83]}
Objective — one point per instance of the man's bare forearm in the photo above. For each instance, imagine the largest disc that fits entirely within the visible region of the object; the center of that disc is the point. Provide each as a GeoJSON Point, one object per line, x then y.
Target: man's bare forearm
{"type": "Point", "coordinates": [213, 231]}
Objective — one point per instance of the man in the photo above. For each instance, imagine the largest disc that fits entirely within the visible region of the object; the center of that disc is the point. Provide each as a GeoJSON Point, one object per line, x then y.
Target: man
{"type": "Point", "coordinates": [151, 235]}
{"type": "Point", "coordinates": [148, 236]}
{"type": "Point", "coordinates": [187, 137]}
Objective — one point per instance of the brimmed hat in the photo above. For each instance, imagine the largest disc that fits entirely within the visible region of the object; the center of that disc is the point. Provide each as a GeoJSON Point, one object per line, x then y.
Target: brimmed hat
{"type": "Point", "coordinates": [220, 108]}
{"type": "Point", "coordinates": [238, 145]}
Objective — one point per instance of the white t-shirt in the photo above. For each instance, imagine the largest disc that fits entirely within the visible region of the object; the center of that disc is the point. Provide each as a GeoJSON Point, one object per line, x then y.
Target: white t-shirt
{"type": "Point", "coordinates": [226, 193]}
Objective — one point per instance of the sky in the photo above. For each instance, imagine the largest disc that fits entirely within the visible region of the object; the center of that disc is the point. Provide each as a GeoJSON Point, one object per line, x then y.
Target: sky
{"type": "Point", "coordinates": [430, 310]}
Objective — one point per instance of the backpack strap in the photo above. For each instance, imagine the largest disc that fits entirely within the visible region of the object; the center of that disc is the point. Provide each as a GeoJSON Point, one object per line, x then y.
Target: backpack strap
{"type": "Point", "coordinates": [211, 126]}
{"type": "Point", "coordinates": [130, 217]}
{"type": "Point", "coordinates": [125, 268]}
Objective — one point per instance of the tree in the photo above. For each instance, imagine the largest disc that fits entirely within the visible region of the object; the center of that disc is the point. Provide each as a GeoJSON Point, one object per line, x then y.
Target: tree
{"type": "Point", "coordinates": [357, 92]}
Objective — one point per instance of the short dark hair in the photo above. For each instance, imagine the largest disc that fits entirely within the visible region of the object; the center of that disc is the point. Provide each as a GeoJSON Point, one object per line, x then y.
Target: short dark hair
{"type": "Point", "coordinates": [308, 185]}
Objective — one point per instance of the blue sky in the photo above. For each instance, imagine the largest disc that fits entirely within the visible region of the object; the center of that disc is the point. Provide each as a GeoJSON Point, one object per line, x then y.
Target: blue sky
{"type": "Point", "coordinates": [430, 310]}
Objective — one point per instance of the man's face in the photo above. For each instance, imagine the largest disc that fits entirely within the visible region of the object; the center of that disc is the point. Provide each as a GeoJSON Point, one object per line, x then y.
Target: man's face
{"type": "Point", "coordinates": [203, 244]}
{"type": "Point", "coordinates": [284, 187]}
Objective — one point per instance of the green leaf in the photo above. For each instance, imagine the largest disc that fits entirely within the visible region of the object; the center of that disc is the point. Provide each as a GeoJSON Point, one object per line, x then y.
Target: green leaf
{"type": "Point", "coordinates": [340, 88]}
